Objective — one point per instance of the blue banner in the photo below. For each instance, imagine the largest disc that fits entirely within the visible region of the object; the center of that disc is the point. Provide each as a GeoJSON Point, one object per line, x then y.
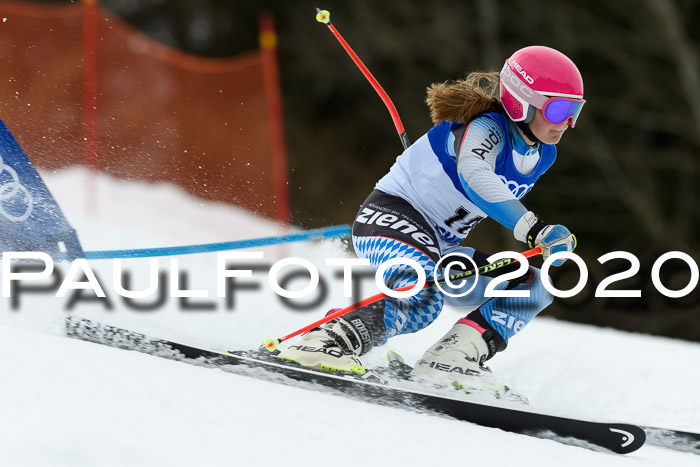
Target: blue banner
{"type": "Point", "coordinates": [30, 219]}
{"type": "Point", "coordinates": [333, 231]}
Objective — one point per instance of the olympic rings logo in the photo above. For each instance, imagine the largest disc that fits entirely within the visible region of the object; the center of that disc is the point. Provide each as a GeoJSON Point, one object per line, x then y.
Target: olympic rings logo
{"type": "Point", "coordinates": [518, 190]}
{"type": "Point", "coordinates": [14, 197]}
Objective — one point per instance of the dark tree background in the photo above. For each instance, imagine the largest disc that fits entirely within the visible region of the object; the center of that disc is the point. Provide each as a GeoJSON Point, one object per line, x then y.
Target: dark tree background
{"type": "Point", "coordinates": [626, 177]}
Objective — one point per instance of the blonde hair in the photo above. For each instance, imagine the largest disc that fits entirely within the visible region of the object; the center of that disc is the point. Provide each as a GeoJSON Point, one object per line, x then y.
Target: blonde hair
{"type": "Point", "coordinates": [461, 101]}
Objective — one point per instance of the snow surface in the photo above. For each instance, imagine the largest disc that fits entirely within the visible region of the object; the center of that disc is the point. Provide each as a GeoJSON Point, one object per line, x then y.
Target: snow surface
{"type": "Point", "coordinates": [70, 403]}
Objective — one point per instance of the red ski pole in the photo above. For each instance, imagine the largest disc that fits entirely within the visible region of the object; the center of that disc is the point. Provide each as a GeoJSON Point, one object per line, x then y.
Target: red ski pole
{"type": "Point", "coordinates": [271, 344]}
{"type": "Point", "coordinates": [324, 16]}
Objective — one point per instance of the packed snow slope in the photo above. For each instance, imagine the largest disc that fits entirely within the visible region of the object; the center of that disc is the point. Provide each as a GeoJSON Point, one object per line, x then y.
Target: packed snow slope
{"type": "Point", "coordinates": [70, 403]}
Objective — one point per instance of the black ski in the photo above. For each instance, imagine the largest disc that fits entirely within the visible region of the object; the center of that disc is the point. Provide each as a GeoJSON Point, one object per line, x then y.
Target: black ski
{"type": "Point", "coordinates": [617, 437]}
{"type": "Point", "coordinates": [673, 439]}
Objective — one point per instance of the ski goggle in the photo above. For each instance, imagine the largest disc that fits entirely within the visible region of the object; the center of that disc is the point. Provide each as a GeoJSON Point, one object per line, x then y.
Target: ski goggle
{"type": "Point", "coordinates": [557, 110]}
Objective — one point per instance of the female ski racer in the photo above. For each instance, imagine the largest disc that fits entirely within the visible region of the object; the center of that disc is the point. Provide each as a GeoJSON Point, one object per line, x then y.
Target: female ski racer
{"type": "Point", "coordinates": [492, 140]}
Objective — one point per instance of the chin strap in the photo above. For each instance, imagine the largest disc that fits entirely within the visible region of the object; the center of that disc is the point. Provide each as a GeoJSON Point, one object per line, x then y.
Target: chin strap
{"type": "Point", "coordinates": [526, 131]}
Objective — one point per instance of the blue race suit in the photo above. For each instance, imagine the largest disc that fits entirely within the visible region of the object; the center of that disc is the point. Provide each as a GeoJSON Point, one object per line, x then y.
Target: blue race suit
{"type": "Point", "coordinates": [435, 193]}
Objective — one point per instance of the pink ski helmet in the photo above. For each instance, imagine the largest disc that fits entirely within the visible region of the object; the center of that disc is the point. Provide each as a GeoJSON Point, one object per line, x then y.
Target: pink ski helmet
{"type": "Point", "coordinates": [542, 78]}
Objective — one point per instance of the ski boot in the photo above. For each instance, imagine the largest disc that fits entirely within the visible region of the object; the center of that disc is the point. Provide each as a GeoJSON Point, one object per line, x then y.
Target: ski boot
{"type": "Point", "coordinates": [457, 360]}
{"type": "Point", "coordinates": [334, 347]}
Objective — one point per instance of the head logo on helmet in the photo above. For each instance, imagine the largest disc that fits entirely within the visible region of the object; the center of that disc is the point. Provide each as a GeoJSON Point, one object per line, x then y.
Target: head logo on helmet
{"type": "Point", "coordinates": [542, 78]}
{"type": "Point", "coordinates": [527, 77]}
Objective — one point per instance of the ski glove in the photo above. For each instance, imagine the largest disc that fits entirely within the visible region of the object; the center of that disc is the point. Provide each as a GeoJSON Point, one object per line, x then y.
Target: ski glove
{"type": "Point", "coordinates": [551, 238]}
